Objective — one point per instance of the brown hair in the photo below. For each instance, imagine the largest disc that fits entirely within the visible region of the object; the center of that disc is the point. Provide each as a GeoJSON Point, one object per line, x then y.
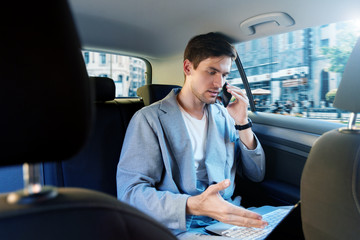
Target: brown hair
{"type": "Point", "coordinates": [208, 45]}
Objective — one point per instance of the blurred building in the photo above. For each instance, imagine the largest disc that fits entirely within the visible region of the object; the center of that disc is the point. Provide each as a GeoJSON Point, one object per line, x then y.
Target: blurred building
{"type": "Point", "coordinates": [128, 73]}
{"type": "Point", "coordinates": [290, 65]}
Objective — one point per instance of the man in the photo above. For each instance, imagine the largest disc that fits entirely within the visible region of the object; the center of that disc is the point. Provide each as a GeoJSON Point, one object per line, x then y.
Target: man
{"type": "Point", "coordinates": [180, 155]}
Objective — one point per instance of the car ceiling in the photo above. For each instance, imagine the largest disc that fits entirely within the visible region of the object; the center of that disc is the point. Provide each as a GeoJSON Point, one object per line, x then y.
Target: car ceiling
{"type": "Point", "coordinates": [161, 28]}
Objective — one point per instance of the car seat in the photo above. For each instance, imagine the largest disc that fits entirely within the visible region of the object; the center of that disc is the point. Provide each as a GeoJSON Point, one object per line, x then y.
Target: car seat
{"type": "Point", "coordinates": [151, 93]}
{"type": "Point", "coordinates": [330, 183]}
{"type": "Point", "coordinates": [47, 115]}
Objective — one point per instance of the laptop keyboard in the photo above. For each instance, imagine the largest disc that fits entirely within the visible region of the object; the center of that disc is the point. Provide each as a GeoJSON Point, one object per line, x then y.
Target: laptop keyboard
{"type": "Point", "coordinates": [244, 233]}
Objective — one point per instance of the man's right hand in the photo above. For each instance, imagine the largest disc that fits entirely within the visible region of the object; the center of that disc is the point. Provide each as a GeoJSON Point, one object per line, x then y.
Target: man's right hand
{"type": "Point", "coordinates": [211, 204]}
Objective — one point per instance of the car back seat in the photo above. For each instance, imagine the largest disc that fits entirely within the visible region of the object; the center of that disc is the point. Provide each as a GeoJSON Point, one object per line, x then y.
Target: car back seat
{"type": "Point", "coordinates": [94, 167]}
{"type": "Point", "coordinates": [151, 93]}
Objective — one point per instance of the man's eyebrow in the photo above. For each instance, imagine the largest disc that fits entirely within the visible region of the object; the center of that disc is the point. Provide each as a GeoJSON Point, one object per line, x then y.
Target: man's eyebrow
{"type": "Point", "coordinates": [217, 70]}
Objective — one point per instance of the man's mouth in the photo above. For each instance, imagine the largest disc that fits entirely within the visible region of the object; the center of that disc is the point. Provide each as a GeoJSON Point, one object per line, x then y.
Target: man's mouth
{"type": "Point", "coordinates": [214, 93]}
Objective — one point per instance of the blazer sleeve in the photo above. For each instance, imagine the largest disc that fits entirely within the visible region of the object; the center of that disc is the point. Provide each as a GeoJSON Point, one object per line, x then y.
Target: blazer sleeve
{"type": "Point", "coordinates": [140, 170]}
{"type": "Point", "coordinates": [252, 161]}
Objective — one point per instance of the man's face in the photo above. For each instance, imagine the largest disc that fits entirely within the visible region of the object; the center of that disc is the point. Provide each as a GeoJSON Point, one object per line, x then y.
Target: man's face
{"type": "Point", "coordinates": [207, 79]}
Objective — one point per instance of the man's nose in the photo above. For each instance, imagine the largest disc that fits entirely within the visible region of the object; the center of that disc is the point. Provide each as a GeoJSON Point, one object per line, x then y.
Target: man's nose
{"type": "Point", "coordinates": [219, 81]}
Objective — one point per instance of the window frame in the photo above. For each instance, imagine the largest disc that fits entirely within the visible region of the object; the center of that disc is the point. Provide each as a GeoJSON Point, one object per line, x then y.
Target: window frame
{"type": "Point", "coordinates": [245, 82]}
{"type": "Point", "coordinates": [147, 71]}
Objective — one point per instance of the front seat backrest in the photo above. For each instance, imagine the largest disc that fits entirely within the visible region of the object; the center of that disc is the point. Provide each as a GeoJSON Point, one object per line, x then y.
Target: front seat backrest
{"type": "Point", "coordinates": [330, 184]}
{"type": "Point", "coordinates": [46, 115]}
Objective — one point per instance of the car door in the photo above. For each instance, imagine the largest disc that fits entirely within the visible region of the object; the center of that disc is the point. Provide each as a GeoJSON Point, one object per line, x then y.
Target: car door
{"type": "Point", "coordinates": [289, 107]}
{"type": "Point", "coordinates": [286, 141]}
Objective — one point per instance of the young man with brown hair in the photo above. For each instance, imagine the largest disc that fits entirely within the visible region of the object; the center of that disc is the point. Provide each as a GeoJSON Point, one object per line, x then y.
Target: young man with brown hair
{"type": "Point", "coordinates": [181, 154]}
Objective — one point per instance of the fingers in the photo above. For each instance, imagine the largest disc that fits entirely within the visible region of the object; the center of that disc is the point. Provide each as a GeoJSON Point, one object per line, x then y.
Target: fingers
{"type": "Point", "coordinates": [207, 203]}
{"type": "Point", "coordinates": [246, 218]}
{"type": "Point", "coordinates": [236, 89]}
{"type": "Point", "coordinates": [219, 186]}
{"type": "Point", "coordinates": [238, 93]}
{"type": "Point", "coordinates": [240, 97]}
{"type": "Point", "coordinates": [232, 214]}
{"type": "Point", "coordinates": [249, 222]}
{"type": "Point", "coordinates": [211, 204]}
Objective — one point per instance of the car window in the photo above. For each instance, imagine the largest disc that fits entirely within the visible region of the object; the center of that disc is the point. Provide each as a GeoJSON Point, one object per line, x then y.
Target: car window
{"type": "Point", "coordinates": [297, 73]}
{"type": "Point", "coordinates": [127, 72]}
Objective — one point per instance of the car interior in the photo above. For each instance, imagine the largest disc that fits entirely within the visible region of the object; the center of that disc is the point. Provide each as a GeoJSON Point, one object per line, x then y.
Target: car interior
{"type": "Point", "coordinates": [63, 128]}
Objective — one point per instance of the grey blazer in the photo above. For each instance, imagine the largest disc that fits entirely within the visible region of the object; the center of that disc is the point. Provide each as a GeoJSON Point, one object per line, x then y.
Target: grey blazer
{"type": "Point", "coordinates": [156, 168]}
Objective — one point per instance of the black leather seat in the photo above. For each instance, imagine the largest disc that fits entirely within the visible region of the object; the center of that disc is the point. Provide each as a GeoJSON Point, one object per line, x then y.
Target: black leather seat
{"type": "Point", "coordinates": [50, 119]}
{"type": "Point", "coordinates": [77, 214]}
{"type": "Point", "coordinates": [330, 184]}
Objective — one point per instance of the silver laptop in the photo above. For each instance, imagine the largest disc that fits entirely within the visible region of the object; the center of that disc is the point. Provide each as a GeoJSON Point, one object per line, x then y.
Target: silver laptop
{"type": "Point", "coordinates": [273, 215]}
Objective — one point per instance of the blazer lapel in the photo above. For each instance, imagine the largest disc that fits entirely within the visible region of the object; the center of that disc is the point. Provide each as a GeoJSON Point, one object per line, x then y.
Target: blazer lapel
{"type": "Point", "coordinates": [179, 141]}
{"type": "Point", "coordinates": [216, 153]}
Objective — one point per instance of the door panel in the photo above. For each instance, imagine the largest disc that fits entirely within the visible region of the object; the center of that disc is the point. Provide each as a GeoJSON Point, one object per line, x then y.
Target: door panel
{"type": "Point", "coordinates": [287, 142]}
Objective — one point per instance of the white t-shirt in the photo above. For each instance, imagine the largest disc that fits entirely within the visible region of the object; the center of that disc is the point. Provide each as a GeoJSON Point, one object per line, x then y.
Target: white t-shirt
{"type": "Point", "coordinates": [197, 130]}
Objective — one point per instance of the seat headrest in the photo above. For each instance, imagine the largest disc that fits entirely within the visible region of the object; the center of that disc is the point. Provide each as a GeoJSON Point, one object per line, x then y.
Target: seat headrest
{"type": "Point", "coordinates": [45, 93]}
{"type": "Point", "coordinates": [104, 88]}
{"type": "Point", "coordinates": [347, 96]}
{"type": "Point", "coordinates": [154, 92]}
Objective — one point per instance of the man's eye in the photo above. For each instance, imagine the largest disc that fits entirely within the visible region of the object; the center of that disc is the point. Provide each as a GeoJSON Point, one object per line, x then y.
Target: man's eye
{"type": "Point", "coordinates": [212, 73]}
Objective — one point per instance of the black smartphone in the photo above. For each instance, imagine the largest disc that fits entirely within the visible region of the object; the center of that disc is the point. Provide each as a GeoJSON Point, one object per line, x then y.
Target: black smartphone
{"type": "Point", "coordinates": [225, 95]}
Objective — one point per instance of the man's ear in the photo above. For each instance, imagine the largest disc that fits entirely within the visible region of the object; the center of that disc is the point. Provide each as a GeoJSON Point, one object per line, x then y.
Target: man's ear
{"type": "Point", "coordinates": [187, 67]}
